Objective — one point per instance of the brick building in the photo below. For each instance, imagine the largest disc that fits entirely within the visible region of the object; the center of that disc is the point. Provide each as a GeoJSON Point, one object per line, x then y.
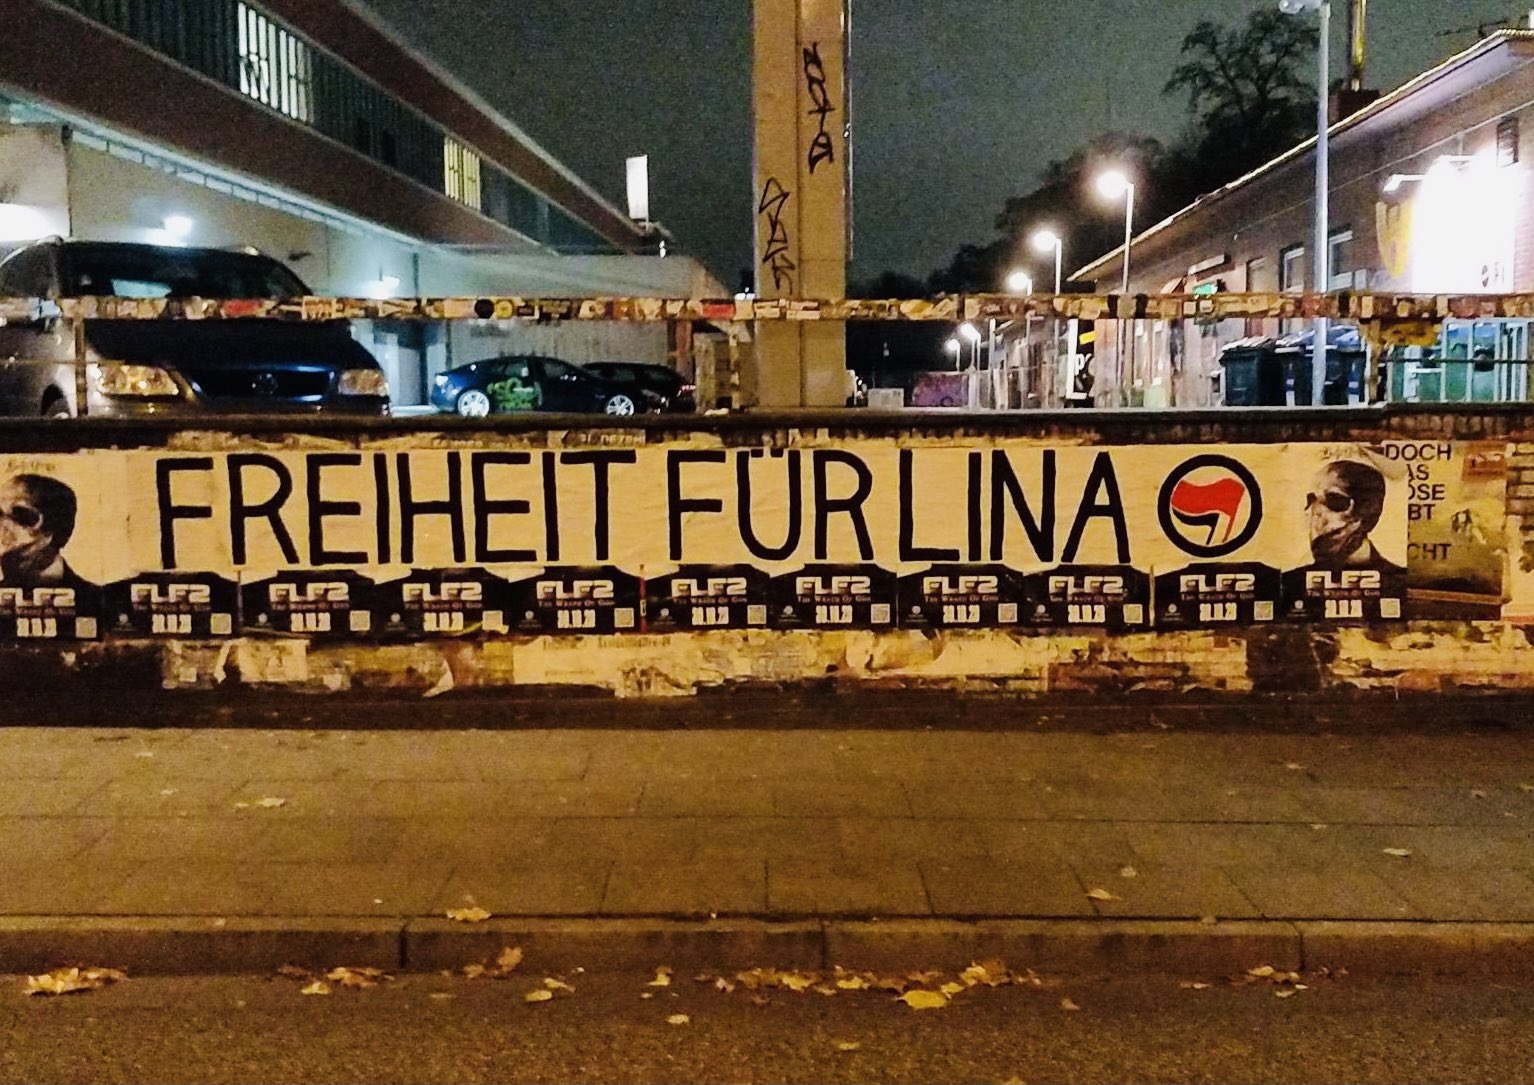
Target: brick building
{"type": "Point", "coordinates": [1431, 193]}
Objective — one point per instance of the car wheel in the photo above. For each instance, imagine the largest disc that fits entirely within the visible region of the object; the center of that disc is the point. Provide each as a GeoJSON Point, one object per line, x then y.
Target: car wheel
{"type": "Point", "coordinates": [472, 403]}
{"type": "Point", "coordinates": [620, 404]}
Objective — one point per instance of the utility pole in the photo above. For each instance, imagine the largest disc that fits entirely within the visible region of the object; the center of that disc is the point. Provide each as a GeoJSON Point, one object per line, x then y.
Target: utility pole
{"type": "Point", "coordinates": [799, 83]}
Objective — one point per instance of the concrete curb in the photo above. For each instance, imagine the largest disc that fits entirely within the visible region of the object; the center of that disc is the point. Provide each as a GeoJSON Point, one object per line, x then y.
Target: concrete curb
{"type": "Point", "coordinates": [200, 945]}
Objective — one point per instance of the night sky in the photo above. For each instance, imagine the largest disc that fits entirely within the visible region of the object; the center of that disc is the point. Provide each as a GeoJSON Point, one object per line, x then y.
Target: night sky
{"type": "Point", "coordinates": [951, 115]}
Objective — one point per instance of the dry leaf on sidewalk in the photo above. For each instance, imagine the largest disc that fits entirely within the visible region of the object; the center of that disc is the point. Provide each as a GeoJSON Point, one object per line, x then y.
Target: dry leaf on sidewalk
{"type": "Point", "coordinates": [507, 962]}
{"type": "Point", "coordinates": [1128, 872]}
{"type": "Point", "coordinates": [475, 914]}
{"type": "Point", "coordinates": [67, 981]}
{"type": "Point", "coordinates": [1101, 894]}
{"type": "Point", "coordinates": [925, 1000]}
{"type": "Point", "coordinates": [1399, 853]}
{"type": "Point", "coordinates": [538, 994]}
{"type": "Point", "coordinates": [662, 977]}
{"type": "Point", "coordinates": [270, 803]}
{"type": "Point", "coordinates": [679, 1019]}
{"type": "Point", "coordinates": [557, 985]}
{"type": "Point", "coordinates": [1195, 985]}
{"type": "Point", "coordinates": [847, 1045]}
{"type": "Point", "coordinates": [1068, 1004]}
{"type": "Point", "coordinates": [357, 978]}
{"type": "Point", "coordinates": [318, 987]}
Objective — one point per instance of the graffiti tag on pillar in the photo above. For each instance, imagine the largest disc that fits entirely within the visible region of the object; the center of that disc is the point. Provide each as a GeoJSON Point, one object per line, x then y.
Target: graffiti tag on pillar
{"type": "Point", "coordinates": [775, 255]}
{"type": "Point", "coordinates": [821, 147]}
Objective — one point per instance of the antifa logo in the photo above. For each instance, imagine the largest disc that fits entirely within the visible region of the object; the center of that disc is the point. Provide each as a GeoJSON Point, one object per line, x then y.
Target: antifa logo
{"type": "Point", "coordinates": [1210, 506]}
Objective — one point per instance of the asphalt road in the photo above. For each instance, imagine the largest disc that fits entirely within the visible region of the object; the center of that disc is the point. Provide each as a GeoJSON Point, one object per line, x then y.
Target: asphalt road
{"type": "Point", "coordinates": [432, 1028]}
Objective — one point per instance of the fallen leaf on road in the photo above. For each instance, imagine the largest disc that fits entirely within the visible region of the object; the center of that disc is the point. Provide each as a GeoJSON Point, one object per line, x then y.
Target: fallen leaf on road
{"type": "Point", "coordinates": [1195, 985]}
{"type": "Point", "coordinates": [475, 914]}
{"type": "Point", "coordinates": [1101, 894]}
{"type": "Point", "coordinates": [951, 989]}
{"type": "Point", "coordinates": [1068, 1004]}
{"type": "Point", "coordinates": [1286, 992]}
{"type": "Point", "coordinates": [847, 1045]}
{"type": "Point", "coordinates": [1526, 788]}
{"type": "Point", "coordinates": [144, 753]}
{"type": "Point", "coordinates": [662, 977]}
{"type": "Point", "coordinates": [1399, 853]}
{"type": "Point", "coordinates": [557, 985]}
{"type": "Point", "coordinates": [66, 981]}
{"type": "Point", "coordinates": [474, 971]}
{"type": "Point", "coordinates": [679, 1019]}
{"type": "Point", "coordinates": [1294, 766]}
{"type": "Point", "coordinates": [507, 962]}
{"type": "Point", "coordinates": [270, 803]}
{"type": "Point", "coordinates": [1318, 827]}
{"type": "Point", "coordinates": [722, 984]}
{"type": "Point", "coordinates": [1128, 872]}
{"type": "Point", "coordinates": [167, 792]}
{"type": "Point", "coordinates": [441, 996]}
{"type": "Point", "coordinates": [925, 1000]}
{"type": "Point", "coordinates": [293, 972]}
{"type": "Point", "coordinates": [1208, 920]}
{"type": "Point", "coordinates": [357, 978]}
{"type": "Point", "coordinates": [1477, 793]}
{"type": "Point", "coordinates": [646, 994]}
{"type": "Point", "coordinates": [318, 987]}
{"type": "Point", "coordinates": [540, 994]}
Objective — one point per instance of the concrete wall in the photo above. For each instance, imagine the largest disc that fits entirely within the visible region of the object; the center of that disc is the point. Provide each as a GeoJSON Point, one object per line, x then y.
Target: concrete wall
{"type": "Point", "coordinates": [1415, 656]}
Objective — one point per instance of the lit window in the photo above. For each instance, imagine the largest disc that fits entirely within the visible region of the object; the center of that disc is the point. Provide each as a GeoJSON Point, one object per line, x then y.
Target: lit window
{"type": "Point", "coordinates": [275, 66]}
{"type": "Point", "coordinates": [460, 173]}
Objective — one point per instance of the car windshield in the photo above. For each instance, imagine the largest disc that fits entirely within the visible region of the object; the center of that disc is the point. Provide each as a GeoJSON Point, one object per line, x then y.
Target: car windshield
{"type": "Point", "coordinates": [127, 271]}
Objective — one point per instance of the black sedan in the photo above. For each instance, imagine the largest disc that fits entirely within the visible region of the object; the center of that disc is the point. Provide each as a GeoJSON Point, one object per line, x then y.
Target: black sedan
{"type": "Point", "coordinates": [530, 383]}
{"type": "Point", "coordinates": [675, 392]}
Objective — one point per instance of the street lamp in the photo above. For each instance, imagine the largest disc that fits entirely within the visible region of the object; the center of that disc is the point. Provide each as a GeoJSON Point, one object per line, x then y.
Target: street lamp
{"type": "Point", "coordinates": [972, 334]}
{"type": "Point", "coordinates": [1020, 282]}
{"type": "Point", "coordinates": [1044, 241]}
{"type": "Point", "coordinates": [1116, 185]}
{"type": "Point", "coordinates": [1323, 182]}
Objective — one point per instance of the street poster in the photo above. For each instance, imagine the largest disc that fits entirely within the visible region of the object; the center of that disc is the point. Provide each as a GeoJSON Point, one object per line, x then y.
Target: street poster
{"type": "Point", "coordinates": [410, 542]}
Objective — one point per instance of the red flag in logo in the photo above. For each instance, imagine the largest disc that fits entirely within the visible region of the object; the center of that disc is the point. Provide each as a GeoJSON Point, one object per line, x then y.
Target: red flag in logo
{"type": "Point", "coordinates": [1205, 506]}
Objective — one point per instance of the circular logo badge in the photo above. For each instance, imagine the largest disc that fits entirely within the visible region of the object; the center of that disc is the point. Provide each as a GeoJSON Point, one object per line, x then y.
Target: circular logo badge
{"type": "Point", "coordinates": [1210, 506]}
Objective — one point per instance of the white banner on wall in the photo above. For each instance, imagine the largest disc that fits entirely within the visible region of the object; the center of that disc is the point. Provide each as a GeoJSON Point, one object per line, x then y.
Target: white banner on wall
{"type": "Point", "coordinates": [428, 542]}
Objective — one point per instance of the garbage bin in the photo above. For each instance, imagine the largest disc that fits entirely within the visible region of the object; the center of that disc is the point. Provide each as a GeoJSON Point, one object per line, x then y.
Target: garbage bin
{"type": "Point", "coordinates": [1254, 374]}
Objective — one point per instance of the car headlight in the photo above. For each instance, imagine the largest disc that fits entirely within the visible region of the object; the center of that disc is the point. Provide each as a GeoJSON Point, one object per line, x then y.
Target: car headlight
{"type": "Point", "coordinates": [124, 380]}
{"type": "Point", "coordinates": [363, 382]}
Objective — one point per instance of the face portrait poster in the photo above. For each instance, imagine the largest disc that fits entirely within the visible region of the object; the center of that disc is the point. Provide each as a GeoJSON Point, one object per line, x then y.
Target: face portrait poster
{"type": "Point", "coordinates": [406, 542]}
{"type": "Point", "coordinates": [50, 550]}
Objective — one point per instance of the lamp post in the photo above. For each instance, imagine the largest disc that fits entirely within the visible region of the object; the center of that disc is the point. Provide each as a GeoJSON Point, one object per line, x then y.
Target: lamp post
{"type": "Point", "coordinates": [1116, 185]}
{"type": "Point", "coordinates": [1044, 241]}
{"type": "Point", "coordinates": [1323, 181]}
{"type": "Point", "coordinates": [952, 347]}
{"type": "Point", "coordinates": [1020, 282]}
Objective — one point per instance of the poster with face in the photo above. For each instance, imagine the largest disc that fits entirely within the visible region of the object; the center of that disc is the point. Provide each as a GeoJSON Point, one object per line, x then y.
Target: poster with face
{"type": "Point", "coordinates": [49, 549]}
{"type": "Point", "coordinates": [1357, 567]}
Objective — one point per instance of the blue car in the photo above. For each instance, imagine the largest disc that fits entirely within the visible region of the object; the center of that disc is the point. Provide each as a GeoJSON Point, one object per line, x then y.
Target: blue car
{"type": "Point", "coordinates": [531, 383]}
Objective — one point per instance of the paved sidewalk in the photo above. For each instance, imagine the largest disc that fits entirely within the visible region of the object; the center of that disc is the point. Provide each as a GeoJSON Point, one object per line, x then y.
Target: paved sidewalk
{"type": "Point", "coordinates": [790, 824]}
{"type": "Point", "coordinates": [775, 825]}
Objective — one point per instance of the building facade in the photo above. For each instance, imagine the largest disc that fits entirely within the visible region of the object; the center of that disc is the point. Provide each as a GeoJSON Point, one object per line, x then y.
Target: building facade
{"type": "Point", "coordinates": [1431, 193]}
{"type": "Point", "coordinates": [306, 129]}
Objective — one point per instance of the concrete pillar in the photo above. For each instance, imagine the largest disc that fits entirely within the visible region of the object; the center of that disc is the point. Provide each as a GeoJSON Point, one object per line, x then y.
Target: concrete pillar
{"type": "Point", "coordinates": [800, 106]}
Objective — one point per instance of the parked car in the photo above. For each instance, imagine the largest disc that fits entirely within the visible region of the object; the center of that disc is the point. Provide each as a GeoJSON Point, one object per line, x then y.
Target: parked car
{"type": "Point", "coordinates": [676, 394]}
{"type": "Point", "coordinates": [139, 368]}
{"type": "Point", "coordinates": [531, 383]}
